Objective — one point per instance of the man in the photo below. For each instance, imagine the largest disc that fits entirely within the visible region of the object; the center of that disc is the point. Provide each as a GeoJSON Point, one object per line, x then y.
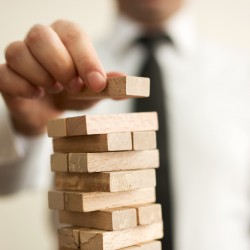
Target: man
{"type": "Point", "coordinates": [207, 90]}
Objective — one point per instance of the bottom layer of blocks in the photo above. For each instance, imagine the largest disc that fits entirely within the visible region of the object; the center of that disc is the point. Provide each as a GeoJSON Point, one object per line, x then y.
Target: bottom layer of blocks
{"type": "Point", "coordinates": [89, 239]}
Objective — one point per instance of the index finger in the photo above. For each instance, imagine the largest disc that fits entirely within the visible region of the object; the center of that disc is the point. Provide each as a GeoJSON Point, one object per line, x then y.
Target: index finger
{"type": "Point", "coordinates": [83, 54]}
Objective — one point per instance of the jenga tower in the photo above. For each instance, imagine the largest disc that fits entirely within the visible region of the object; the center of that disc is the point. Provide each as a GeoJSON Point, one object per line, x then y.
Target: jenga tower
{"type": "Point", "coordinates": [105, 175]}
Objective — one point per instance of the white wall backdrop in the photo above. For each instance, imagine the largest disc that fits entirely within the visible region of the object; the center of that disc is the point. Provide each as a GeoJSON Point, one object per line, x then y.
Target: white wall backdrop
{"type": "Point", "coordinates": [17, 16]}
{"type": "Point", "coordinates": [24, 217]}
{"type": "Point", "coordinates": [227, 21]}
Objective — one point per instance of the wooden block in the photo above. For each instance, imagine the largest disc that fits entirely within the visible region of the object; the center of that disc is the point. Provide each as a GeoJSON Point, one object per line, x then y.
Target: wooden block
{"type": "Point", "coordinates": [103, 124]}
{"type": "Point", "coordinates": [119, 87]}
{"type": "Point", "coordinates": [67, 248]}
{"type": "Point", "coordinates": [148, 213]}
{"type": "Point", "coordinates": [151, 245]}
{"type": "Point", "coordinates": [131, 248]}
{"type": "Point", "coordinates": [93, 201]}
{"type": "Point", "coordinates": [101, 240]}
{"type": "Point", "coordinates": [108, 161]}
{"type": "Point", "coordinates": [69, 238]}
{"type": "Point", "coordinates": [94, 143]}
{"type": "Point", "coordinates": [57, 128]}
{"type": "Point", "coordinates": [143, 140]}
{"type": "Point", "coordinates": [106, 181]}
{"type": "Point", "coordinates": [59, 162]}
{"type": "Point", "coordinates": [56, 200]}
{"type": "Point", "coordinates": [109, 219]}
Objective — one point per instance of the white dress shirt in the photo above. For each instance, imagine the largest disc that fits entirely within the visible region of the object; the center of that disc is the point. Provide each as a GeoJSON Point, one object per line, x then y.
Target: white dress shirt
{"type": "Point", "coordinates": [208, 100]}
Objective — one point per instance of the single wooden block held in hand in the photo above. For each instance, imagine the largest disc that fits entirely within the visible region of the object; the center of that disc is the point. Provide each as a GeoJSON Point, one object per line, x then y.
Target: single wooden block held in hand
{"type": "Point", "coordinates": [109, 219]}
{"type": "Point", "coordinates": [93, 201]}
{"type": "Point", "coordinates": [103, 124]}
{"type": "Point", "coordinates": [107, 161]}
{"type": "Point", "coordinates": [119, 87]}
{"type": "Point", "coordinates": [94, 143]}
{"type": "Point", "coordinates": [106, 181]}
{"type": "Point", "coordinates": [143, 140]}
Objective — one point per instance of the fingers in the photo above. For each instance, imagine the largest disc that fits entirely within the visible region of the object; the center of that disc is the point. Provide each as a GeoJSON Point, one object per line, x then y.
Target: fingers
{"type": "Point", "coordinates": [23, 63]}
{"type": "Point", "coordinates": [51, 58]}
{"type": "Point", "coordinates": [14, 85]}
{"type": "Point", "coordinates": [48, 49]}
{"type": "Point", "coordinates": [62, 102]}
{"type": "Point", "coordinates": [83, 54]}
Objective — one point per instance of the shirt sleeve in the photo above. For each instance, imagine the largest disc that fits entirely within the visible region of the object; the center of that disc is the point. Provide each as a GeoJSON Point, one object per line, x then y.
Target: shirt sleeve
{"type": "Point", "coordinates": [8, 150]}
{"type": "Point", "coordinates": [24, 161]}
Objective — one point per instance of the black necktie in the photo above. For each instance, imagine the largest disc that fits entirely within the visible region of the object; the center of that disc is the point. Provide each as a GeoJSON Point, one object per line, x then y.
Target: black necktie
{"type": "Point", "coordinates": [157, 102]}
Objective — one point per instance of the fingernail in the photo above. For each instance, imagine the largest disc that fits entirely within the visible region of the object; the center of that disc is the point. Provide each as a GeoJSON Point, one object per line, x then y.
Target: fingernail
{"type": "Point", "coordinates": [38, 92]}
{"type": "Point", "coordinates": [75, 85]}
{"type": "Point", "coordinates": [96, 81]}
{"type": "Point", "coordinates": [57, 87]}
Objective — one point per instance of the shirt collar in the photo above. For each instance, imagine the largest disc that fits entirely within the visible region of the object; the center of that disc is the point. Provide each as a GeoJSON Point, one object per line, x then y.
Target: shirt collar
{"type": "Point", "coordinates": [180, 27]}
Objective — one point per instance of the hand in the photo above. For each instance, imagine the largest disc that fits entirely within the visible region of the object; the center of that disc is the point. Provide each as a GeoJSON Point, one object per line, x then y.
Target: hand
{"type": "Point", "coordinates": [42, 70]}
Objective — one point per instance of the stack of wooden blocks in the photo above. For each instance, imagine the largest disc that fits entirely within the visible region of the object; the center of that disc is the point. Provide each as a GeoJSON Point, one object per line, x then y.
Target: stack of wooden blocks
{"type": "Point", "coordinates": [105, 175]}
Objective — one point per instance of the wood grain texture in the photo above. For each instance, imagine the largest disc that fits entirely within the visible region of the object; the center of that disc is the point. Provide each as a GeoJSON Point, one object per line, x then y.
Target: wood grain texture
{"type": "Point", "coordinates": [151, 245]}
{"type": "Point", "coordinates": [67, 248]}
{"type": "Point", "coordinates": [103, 124]}
{"type": "Point", "coordinates": [119, 87]}
{"type": "Point", "coordinates": [109, 219]}
{"type": "Point", "coordinates": [93, 201]}
{"type": "Point", "coordinates": [94, 143]}
{"type": "Point", "coordinates": [107, 161]}
{"type": "Point", "coordinates": [143, 140]}
{"type": "Point", "coordinates": [136, 247]}
{"type": "Point", "coordinates": [106, 181]}
{"type": "Point", "coordinates": [69, 238]}
{"type": "Point", "coordinates": [56, 200]}
{"type": "Point", "coordinates": [101, 240]}
{"type": "Point", "coordinates": [148, 213]}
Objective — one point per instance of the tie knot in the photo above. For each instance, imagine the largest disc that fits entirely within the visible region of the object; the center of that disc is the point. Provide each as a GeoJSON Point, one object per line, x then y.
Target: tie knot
{"type": "Point", "coordinates": [149, 41]}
